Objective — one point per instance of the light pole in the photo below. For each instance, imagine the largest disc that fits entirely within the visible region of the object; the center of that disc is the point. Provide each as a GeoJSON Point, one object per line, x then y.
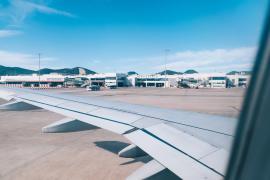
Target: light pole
{"type": "Point", "coordinates": [38, 70]}
{"type": "Point", "coordinates": [166, 56]}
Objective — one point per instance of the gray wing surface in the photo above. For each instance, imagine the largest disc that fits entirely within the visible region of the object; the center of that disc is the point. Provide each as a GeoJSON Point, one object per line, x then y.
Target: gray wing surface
{"type": "Point", "coordinates": [191, 145]}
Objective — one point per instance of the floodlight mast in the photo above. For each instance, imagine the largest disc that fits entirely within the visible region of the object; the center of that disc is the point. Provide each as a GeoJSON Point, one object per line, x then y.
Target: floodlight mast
{"type": "Point", "coordinates": [166, 56]}
{"type": "Point", "coordinates": [38, 70]}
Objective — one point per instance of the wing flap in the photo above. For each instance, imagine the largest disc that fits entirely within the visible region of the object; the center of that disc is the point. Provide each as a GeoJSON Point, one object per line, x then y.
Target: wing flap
{"type": "Point", "coordinates": [181, 140]}
{"type": "Point", "coordinates": [178, 151]}
{"type": "Point", "coordinates": [214, 160]}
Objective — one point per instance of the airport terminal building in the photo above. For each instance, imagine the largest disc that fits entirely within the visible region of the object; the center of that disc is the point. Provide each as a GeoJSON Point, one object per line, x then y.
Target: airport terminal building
{"type": "Point", "coordinates": [57, 80]}
{"type": "Point", "coordinates": [109, 79]}
{"type": "Point", "coordinates": [33, 81]}
{"type": "Point", "coordinates": [114, 80]}
{"type": "Point", "coordinates": [196, 80]}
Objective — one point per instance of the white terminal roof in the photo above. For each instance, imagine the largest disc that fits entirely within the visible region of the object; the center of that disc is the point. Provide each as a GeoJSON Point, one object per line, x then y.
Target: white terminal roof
{"type": "Point", "coordinates": [60, 78]}
{"type": "Point", "coordinates": [33, 78]}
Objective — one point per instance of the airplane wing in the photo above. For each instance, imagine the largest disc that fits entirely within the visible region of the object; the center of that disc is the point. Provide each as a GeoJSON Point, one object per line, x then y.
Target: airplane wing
{"type": "Point", "coordinates": [191, 145]}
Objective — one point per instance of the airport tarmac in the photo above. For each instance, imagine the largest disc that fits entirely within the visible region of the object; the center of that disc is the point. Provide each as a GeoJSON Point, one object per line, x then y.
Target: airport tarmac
{"type": "Point", "coordinates": [26, 153]}
{"type": "Point", "coordinates": [225, 102]}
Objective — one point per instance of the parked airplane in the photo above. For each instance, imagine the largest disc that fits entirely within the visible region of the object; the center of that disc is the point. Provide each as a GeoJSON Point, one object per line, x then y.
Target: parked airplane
{"type": "Point", "coordinates": [191, 145]}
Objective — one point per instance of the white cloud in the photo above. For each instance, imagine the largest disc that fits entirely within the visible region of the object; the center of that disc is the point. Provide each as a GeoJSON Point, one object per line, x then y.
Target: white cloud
{"type": "Point", "coordinates": [216, 60]}
{"type": "Point", "coordinates": [211, 60]}
{"type": "Point", "coordinates": [9, 33]}
{"type": "Point", "coordinates": [17, 11]}
{"type": "Point", "coordinates": [46, 9]}
{"type": "Point", "coordinates": [23, 60]}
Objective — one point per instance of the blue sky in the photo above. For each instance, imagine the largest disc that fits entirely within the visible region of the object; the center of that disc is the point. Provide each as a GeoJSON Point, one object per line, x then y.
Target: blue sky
{"type": "Point", "coordinates": [123, 35]}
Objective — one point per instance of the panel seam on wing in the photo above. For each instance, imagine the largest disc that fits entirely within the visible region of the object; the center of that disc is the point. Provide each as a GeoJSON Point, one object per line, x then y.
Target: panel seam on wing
{"type": "Point", "coordinates": [78, 112]}
{"type": "Point", "coordinates": [186, 154]}
{"type": "Point", "coordinates": [135, 113]}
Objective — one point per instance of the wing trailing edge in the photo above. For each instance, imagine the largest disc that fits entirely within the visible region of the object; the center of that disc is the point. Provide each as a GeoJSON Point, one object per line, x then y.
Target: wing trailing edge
{"type": "Point", "coordinates": [183, 154]}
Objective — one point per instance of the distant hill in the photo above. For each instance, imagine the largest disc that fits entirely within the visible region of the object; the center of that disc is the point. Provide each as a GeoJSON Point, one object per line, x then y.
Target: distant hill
{"type": "Point", "coordinates": [232, 72]}
{"type": "Point", "coordinates": [169, 72]}
{"type": "Point", "coordinates": [67, 71]}
{"type": "Point", "coordinates": [131, 73]}
{"type": "Point", "coordinates": [21, 71]}
{"type": "Point", "coordinates": [190, 71]}
{"type": "Point", "coordinates": [239, 72]}
{"type": "Point", "coordinates": [14, 71]}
